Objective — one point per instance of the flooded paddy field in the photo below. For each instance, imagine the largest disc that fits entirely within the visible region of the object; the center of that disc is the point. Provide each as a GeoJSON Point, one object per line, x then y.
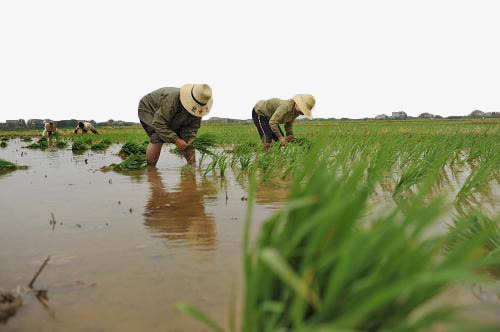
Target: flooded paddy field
{"type": "Point", "coordinates": [371, 207]}
{"type": "Point", "coordinates": [125, 247]}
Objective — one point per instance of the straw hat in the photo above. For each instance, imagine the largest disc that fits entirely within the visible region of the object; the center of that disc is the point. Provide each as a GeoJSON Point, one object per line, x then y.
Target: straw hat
{"type": "Point", "coordinates": [305, 103]}
{"type": "Point", "coordinates": [197, 99]}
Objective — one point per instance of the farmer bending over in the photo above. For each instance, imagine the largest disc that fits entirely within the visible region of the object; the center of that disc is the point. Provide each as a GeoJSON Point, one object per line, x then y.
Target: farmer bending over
{"type": "Point", "coordinates": [267, 116]}
{"type": "Point", "coordinates": [85, 127]}
{"type": "Point", "coordinates": [173, 115]}
{"type": "Point", "coordinates": [49, 128]}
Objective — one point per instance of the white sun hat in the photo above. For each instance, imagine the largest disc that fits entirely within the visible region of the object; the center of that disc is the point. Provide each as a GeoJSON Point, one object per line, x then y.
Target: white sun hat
{"type": "Point", "coordinates": [305, 103]}
{"type": "Point", "coordinates": [197, 99]}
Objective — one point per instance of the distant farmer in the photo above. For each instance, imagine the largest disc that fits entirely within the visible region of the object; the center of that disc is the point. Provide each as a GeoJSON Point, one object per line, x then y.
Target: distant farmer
{"type": "Point", "coordinates": [173, 115]}
{"type": "Point", "coordinates": [85, 126]}
{"type": "Point", "coordinates": [49, 128]}
{"type": "Point", "coordinates": [267, 116]}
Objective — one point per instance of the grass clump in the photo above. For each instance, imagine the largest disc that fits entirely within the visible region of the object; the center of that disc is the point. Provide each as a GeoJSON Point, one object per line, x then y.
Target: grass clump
{"type": "Point", "coordinates": [42, 143]}
{"type": "Point", "coordinates": [131, 148]}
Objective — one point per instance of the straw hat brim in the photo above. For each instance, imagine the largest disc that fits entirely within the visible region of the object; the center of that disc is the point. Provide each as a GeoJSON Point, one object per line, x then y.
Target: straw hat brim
{"type": "Point", "coordinates": [303, 107]}
{"type": "Point", "coordinates": [191, 105]}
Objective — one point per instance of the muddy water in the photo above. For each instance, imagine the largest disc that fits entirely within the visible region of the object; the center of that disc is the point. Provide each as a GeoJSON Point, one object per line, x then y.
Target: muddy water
{"type": "Point", "coordinates": [126, 247]}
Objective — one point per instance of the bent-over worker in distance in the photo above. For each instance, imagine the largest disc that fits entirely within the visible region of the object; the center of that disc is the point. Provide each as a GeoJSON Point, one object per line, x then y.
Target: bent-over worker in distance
{"type": "Point", "coordinates": [173, 115]}
{"type": "Point", "coordinates": [49, 128]}
{"type": "Point", "coordinates": [268, 114]}
{"type": "Point", "coordinates": [85, 126]}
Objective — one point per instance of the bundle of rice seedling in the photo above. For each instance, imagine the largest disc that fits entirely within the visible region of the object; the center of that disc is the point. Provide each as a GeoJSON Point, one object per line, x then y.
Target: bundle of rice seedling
{"type": "Point", "coordinates": [61, 144]}
{"type": "Point", "coordinates": [302, 141]}
{"type": "Point", "coordinates": [3, 144]}
{"type": "Point", "coordinates": [103, 145]}
{"type": "Point", "coordinates": [42, 143]}
{"type": "Point", "coordinates": [26, 139]}
{"type": "Point", "coordinates": [79, 146]}
{"type": "Point", "coordinates": [4, 138]}
{"type": "Point", "coordinates": [205, 142]}
{"type": "Point", "coordinates": [8, 166]}
{"type": "Point", "coordinates": [131, 148]}
{"type": "Point", "coordinates": [133, 162]}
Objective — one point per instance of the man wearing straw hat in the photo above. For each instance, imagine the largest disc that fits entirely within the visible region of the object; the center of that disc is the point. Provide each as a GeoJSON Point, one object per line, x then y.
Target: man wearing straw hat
{"type": "Point", "coordinates": [267, 116]}
{"type": "Point", "coordinates": [173, 115]}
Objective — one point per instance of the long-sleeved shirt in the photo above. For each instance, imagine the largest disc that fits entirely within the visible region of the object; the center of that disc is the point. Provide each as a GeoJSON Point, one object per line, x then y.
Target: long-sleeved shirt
{"type": "Point", "coordinates": [278, 111]}
{"type": "Point", "coordinates": [49, 128]}
{"type": "Point", "coordinates": [86, 127]}
{"type": "Point", "coordinates": [162, 110]}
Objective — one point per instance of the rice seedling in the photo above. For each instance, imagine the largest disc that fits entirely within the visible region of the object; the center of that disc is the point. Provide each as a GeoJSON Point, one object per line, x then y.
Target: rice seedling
{"type": "Point", "coordinates": [324, 263]}
{"type": "Point", "coordinates": [42, 143]}
{"type": "Point", "coordinates": [79, 146]}
{"type": "Point", "coordinates": [26, 139]}
{"type": "Point", "coordinates": [8, 166]}
{"type": "Point", "coordinates": [475, 224]}
{"type": "Point", "coordinates": [131, 148]}
{"type": "Point", "coordinates": [205, 142]}
{"type": "Point", "coordinates": [62, 143]}
{"type": "Point", "coordinates": [102, 145]}
{"type": "Point", "coordinates": [4, 138]}
{"type": "Point", "coordinates": [3, 144]}
{"type": "Point", "coordinates": [133, 162]}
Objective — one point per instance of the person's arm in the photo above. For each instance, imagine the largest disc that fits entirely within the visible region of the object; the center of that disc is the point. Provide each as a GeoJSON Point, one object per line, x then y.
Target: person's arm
{"type": "Point", "coordinates": [289, 128]}
{"type": "Point", "coordinates": [189, 132]}
{"type": "Point", "coordinates": [161, 120]}
{"type": "Point", "coordinates": [275, 120]}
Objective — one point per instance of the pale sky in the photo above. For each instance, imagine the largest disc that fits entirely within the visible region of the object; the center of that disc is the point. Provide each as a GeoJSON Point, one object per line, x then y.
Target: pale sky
{"type": "Point", "coordinates": [96, 59]}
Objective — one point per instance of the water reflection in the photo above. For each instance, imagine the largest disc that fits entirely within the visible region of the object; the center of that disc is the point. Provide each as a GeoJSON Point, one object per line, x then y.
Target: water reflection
{"type": "Point", "coordinates": [179, 214]}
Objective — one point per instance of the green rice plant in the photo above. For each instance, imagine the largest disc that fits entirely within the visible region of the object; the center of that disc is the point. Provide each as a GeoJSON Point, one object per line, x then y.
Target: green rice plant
{"type": "Point", "coordinates": [220, 162]}
{"type": "Point", "coordinates": [86, 139]}
{"type": "Point", "coordinates": [302, 141]}
{"type": "Point", "coordinates": [324, 263]}
{"type": "Point", "coordinates": [477, 182]}
{"type": "Point", "coordinates": [3, 144]}
{"type": "Point", "coordinates": [472, 225]}
{"type": "Point", "coordinates": [204, 143]}
{"type": "Point", "coordinates": [101, 146]}
{"type": "Point", "coordinates": [42, 143]}
{"type": "Point", "coordinates": [133, 162]}
{"type": "Point", "coordinates": [26, 139]}
{"type": "Point", "coordinates": [8, 166]}
{"type": "Point", "coordinates": [131, 148]}
{"type": "Point", "coordinates": [79, 146]}
{"type": "Point", "coordinates": [62, 143]}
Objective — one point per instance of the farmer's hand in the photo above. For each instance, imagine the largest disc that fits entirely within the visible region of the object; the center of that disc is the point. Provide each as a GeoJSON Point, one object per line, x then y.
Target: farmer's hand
{"type": "Point", "coordinates": [290, 138]}
{"type": "Point", "coordinates": [181, 144]}
{"type": "Point", "coordinates": [282, 140]}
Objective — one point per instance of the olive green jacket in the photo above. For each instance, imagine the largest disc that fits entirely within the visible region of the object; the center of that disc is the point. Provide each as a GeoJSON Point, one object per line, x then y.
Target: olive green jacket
{"type": "Point", "coordinates": [278, 111]}
{"type": "Point", "coordinates": [163, 111]}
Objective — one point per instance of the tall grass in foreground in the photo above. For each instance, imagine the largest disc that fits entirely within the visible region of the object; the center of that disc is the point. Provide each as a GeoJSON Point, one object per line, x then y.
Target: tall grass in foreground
{"type": "Point", "coordinates": [324, 263]}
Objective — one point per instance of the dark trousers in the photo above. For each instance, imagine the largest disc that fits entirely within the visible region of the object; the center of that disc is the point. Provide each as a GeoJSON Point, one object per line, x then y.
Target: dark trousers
{"type": "Point", "coordinates": [262, 124]}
